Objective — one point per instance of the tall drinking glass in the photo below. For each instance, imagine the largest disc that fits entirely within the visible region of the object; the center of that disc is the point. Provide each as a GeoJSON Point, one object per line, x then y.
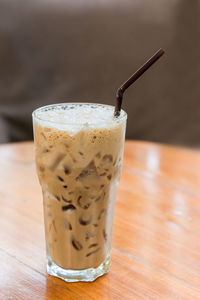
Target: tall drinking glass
{"type": "Point", "coordinates": [79, 151]}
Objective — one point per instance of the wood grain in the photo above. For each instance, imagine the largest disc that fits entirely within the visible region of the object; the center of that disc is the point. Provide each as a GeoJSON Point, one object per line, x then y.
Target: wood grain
{"type": "Point", "coordinates": [156, 238]}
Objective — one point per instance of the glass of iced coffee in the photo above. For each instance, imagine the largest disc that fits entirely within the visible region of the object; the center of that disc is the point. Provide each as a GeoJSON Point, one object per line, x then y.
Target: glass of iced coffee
{"type": "Point", "coordinates": [79, 151]}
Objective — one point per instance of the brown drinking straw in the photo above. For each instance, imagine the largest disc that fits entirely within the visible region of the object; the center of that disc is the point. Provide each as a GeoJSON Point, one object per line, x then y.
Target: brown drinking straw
{"type": "Point", "coordinates": [133, 78]}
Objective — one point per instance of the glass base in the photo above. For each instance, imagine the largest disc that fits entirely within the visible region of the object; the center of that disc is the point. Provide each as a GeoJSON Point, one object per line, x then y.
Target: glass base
{"type": "Point", "coordinates": [77, 275]}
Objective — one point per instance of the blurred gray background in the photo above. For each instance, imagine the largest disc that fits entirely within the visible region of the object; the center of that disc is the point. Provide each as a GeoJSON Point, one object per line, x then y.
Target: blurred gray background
{"type": "Point", "coordinates": [73, 50]}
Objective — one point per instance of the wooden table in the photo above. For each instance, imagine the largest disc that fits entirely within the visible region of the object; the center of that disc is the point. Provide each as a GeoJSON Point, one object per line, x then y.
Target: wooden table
{"type": "Point", "coordinates": [156, 243]}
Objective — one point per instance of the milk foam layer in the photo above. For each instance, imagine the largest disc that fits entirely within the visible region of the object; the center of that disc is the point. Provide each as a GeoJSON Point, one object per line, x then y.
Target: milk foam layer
{"type": "Point", "coordinates": [74, 117]}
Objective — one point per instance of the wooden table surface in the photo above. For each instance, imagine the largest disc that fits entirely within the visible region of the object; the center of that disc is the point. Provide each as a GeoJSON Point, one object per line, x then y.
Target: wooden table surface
{"type": "Point", "coordinates": [156, 242]}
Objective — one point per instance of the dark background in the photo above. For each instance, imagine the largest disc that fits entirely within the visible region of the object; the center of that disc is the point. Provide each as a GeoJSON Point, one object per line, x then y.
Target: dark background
{"type": "Point", "coordinates": [61, 51]}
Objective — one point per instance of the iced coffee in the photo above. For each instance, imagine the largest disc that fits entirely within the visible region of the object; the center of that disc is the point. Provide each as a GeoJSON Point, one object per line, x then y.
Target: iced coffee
{"type": "Point", "coordinates": [79, 150]}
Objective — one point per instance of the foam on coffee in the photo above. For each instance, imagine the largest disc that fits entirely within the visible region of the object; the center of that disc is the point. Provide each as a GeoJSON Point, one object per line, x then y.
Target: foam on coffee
{"type": "Point", "coordinates": [74, 117]}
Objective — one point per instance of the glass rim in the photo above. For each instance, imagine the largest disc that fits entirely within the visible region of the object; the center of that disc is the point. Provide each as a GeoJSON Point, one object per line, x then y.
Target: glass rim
{"type": "Point", "coordinates": [121, 117]}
